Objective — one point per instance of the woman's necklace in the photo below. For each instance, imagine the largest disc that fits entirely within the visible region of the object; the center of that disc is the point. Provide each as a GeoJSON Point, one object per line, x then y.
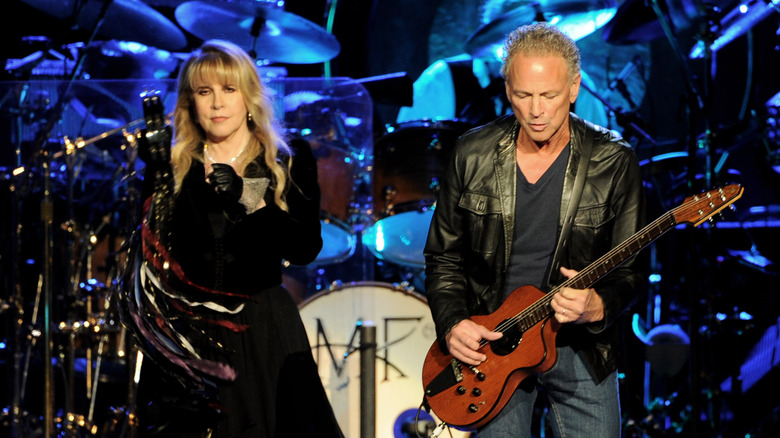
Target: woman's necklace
{"type": "Point", "coordinates": [231, 161]}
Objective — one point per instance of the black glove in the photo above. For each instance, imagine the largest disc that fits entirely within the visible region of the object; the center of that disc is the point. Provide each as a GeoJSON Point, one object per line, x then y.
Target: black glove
{"type": "Point", "coordinates": [226, 182]}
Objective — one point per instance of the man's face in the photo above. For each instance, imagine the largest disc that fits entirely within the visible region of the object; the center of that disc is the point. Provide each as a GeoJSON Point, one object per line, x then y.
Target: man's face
{"type": "Point", "coordinates": [540, 93]}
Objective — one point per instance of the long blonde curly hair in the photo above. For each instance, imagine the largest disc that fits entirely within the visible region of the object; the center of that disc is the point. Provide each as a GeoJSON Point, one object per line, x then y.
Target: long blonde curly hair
{"type": "Point", "coordinates": [229, 64]}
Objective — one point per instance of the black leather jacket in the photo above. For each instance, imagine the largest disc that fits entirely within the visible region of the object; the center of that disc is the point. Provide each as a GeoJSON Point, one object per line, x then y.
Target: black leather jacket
{"type": "Point", "coordinates": [470, 238]}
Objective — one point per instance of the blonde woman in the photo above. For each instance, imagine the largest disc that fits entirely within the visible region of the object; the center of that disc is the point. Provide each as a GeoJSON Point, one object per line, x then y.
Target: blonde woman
{"type": "Point", "coordinates": [230, 356]}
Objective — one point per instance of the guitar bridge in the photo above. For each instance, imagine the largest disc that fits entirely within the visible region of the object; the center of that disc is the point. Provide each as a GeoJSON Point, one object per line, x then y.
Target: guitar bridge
{"type": "Point", "coordinates": [447, 378]}
{"type": "Point", "coordinates": [456, 370]}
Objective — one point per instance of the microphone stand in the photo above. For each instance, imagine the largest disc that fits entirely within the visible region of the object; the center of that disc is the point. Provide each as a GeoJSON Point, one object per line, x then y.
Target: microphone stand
{"type": "Point", "coordinates": [47, 216]}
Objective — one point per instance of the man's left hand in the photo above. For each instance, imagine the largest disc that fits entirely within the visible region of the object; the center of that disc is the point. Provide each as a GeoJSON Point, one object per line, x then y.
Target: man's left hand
{"type": "Point", "coordinates": [577, 306]}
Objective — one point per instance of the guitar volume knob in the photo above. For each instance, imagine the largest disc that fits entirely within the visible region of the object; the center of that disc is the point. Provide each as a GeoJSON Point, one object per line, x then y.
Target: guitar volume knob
{"type": "Point", "coordinates": [461, 390]}
{"type": "Point", "coordinates": [473, 408]}
{"type": "Point", "coordinates": [476, 391]}
{"type": "Point", "coordinates": [481, 376]}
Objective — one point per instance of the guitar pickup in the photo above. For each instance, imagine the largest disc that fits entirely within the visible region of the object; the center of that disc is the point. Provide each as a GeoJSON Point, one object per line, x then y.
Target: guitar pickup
{"type": "Point", "coordinates": [447, 378]}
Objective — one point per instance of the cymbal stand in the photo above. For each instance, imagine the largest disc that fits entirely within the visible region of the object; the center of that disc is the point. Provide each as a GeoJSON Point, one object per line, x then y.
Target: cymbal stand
{"type": "Point", "coordinates": [96, 379]}
{"type": "Point", "coordinates": [47, 216]}
{"type": "Point", "coordinates": [32, 337]}
{"type": "Point", "coordinates": [16, 304]}
{"type": "Point", "coordinates": [623, 118]}
{"type": "Point", "coordinates": [71, 274]}
{"type": "Point", "coordinates": [25, 334]}
{"type": "Point", "coordinates": [700, 102]}
{"type": "Point", "coordinates": [667, 28]}
{"type": "Point", "coordinates": [128, 424]}
{"type": "Point", "coordinates": [93, 379]}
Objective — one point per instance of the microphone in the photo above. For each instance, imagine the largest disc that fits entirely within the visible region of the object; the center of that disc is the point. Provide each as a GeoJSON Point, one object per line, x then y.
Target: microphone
{"type": "Point", "coordinates": [618, 82]}
{"type": "Point", "coordinates": [635, 63]}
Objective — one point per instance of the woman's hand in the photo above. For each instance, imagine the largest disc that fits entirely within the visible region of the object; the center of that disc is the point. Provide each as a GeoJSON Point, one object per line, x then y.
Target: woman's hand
{"type": "Point", "coordinates": [226, 182]}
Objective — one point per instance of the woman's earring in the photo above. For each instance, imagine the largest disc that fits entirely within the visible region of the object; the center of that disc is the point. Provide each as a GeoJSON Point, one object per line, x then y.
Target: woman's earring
{"type": "Point", "coordinates": [249, 117]}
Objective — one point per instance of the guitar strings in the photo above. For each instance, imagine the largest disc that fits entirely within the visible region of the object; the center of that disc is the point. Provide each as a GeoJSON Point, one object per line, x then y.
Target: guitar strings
{"type": "Point", "coordinates": [543, 304]}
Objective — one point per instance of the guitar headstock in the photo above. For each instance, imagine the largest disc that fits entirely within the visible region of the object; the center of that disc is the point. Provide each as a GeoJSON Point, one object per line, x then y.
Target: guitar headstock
{"type": "Point", "coordinates": [699, 208]}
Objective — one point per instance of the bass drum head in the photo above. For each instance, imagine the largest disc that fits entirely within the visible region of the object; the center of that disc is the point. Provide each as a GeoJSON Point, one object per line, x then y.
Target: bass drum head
{"type": "Point", "coordinates": [404, 333]}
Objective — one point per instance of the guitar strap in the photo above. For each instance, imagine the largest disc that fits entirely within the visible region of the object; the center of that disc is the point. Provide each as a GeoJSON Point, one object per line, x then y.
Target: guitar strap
{"type": "Point", "coordinates": [574, 202]}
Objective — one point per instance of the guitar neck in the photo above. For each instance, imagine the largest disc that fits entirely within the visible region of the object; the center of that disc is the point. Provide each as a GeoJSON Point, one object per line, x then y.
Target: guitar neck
{"type": "Point", "coordinates": [598, 269]}
{"type": "Point", "coordinates": [621, 253]}
{"type": "Point", "coordinates": [694, 210]}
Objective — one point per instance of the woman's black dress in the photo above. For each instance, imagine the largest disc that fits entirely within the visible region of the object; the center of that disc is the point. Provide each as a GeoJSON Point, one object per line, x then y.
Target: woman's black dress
{"type": "Point", "coordinates": [277, 391]}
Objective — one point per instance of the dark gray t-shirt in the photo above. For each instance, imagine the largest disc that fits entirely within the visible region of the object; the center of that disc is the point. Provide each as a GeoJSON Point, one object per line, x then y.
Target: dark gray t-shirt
{"type": "Point", "coordinates": [536, 226]}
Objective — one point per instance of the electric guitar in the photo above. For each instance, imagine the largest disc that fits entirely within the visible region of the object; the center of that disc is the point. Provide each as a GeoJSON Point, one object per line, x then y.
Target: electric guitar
{"type": "Point", "coordinates": [468, 396]}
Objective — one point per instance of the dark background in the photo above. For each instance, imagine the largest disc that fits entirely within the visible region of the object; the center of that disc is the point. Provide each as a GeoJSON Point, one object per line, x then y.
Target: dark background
{"type": "Point", "coordinates": [716, 113]}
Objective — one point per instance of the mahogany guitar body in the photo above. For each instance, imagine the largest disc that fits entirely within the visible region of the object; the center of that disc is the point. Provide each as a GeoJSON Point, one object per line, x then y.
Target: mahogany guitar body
{"type": "Point", "coordinates": [470, 396]}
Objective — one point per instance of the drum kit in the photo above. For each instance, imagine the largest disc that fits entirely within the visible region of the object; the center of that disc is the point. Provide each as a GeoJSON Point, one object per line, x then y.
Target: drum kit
{"type": "Point", "coordinates": [77, 200]}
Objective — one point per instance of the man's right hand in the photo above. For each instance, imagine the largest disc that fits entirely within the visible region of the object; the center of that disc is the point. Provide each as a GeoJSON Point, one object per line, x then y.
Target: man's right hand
{"type": "Point", "coordinates": [464, 341]}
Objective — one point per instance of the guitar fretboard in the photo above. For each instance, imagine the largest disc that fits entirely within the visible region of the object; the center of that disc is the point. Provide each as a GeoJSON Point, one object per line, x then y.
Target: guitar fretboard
{"type": "Point", "coordinates": [590, 275]}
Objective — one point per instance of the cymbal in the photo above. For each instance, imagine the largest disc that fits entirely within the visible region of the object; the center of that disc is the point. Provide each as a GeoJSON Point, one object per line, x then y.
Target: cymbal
{"type": "Point", "coordinates": [127, 20]}
{"type": "Point", "coordinates": [268, 33]}
{"type": "Point", "coordinates": [576, 18]}
{"type": "Point", "coordinates": [114, 59]}
{"type": "Point", "coordinates": [636, 21]}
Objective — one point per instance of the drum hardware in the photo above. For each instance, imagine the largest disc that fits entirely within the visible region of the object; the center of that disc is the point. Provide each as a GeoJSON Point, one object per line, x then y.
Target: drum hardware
{"type": "Point", "coordinates": [45, 156]}
{"type": "Point", "coordinates": [67, 151]}
{"type": "Point", "coordinates": [629, 120]}
{"type": "Point", "coordinates": [737, 22]}
{"type": "Point", "coordinates": [389, 193]}
{"type": "Point", "coordinates": [43, 63]}
{"type": "Point", "coordinates": [772, 132]}
{"type": "Point", "coordinates": [69, 424]}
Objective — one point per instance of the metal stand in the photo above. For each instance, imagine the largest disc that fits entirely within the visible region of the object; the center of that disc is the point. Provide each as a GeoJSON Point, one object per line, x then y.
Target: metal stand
{"type": "Point", "coordinates": [47, 217]}
{"type": "Point", "coordinates": [367, 379]}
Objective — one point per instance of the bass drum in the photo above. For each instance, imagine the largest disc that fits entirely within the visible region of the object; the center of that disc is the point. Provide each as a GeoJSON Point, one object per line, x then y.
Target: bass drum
{"type": "Point", "coordinates": [404, 332]}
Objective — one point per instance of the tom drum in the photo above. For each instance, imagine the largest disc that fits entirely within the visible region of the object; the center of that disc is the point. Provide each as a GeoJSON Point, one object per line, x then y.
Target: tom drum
{"type": "Point", "coordinates": [336, 175]}
{"type": "Point", "coordinates": [409, 161]}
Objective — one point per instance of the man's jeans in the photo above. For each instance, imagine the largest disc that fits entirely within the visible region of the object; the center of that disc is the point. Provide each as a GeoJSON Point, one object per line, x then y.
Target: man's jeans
{"type": "Point", "coordinates": [577, 406]}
